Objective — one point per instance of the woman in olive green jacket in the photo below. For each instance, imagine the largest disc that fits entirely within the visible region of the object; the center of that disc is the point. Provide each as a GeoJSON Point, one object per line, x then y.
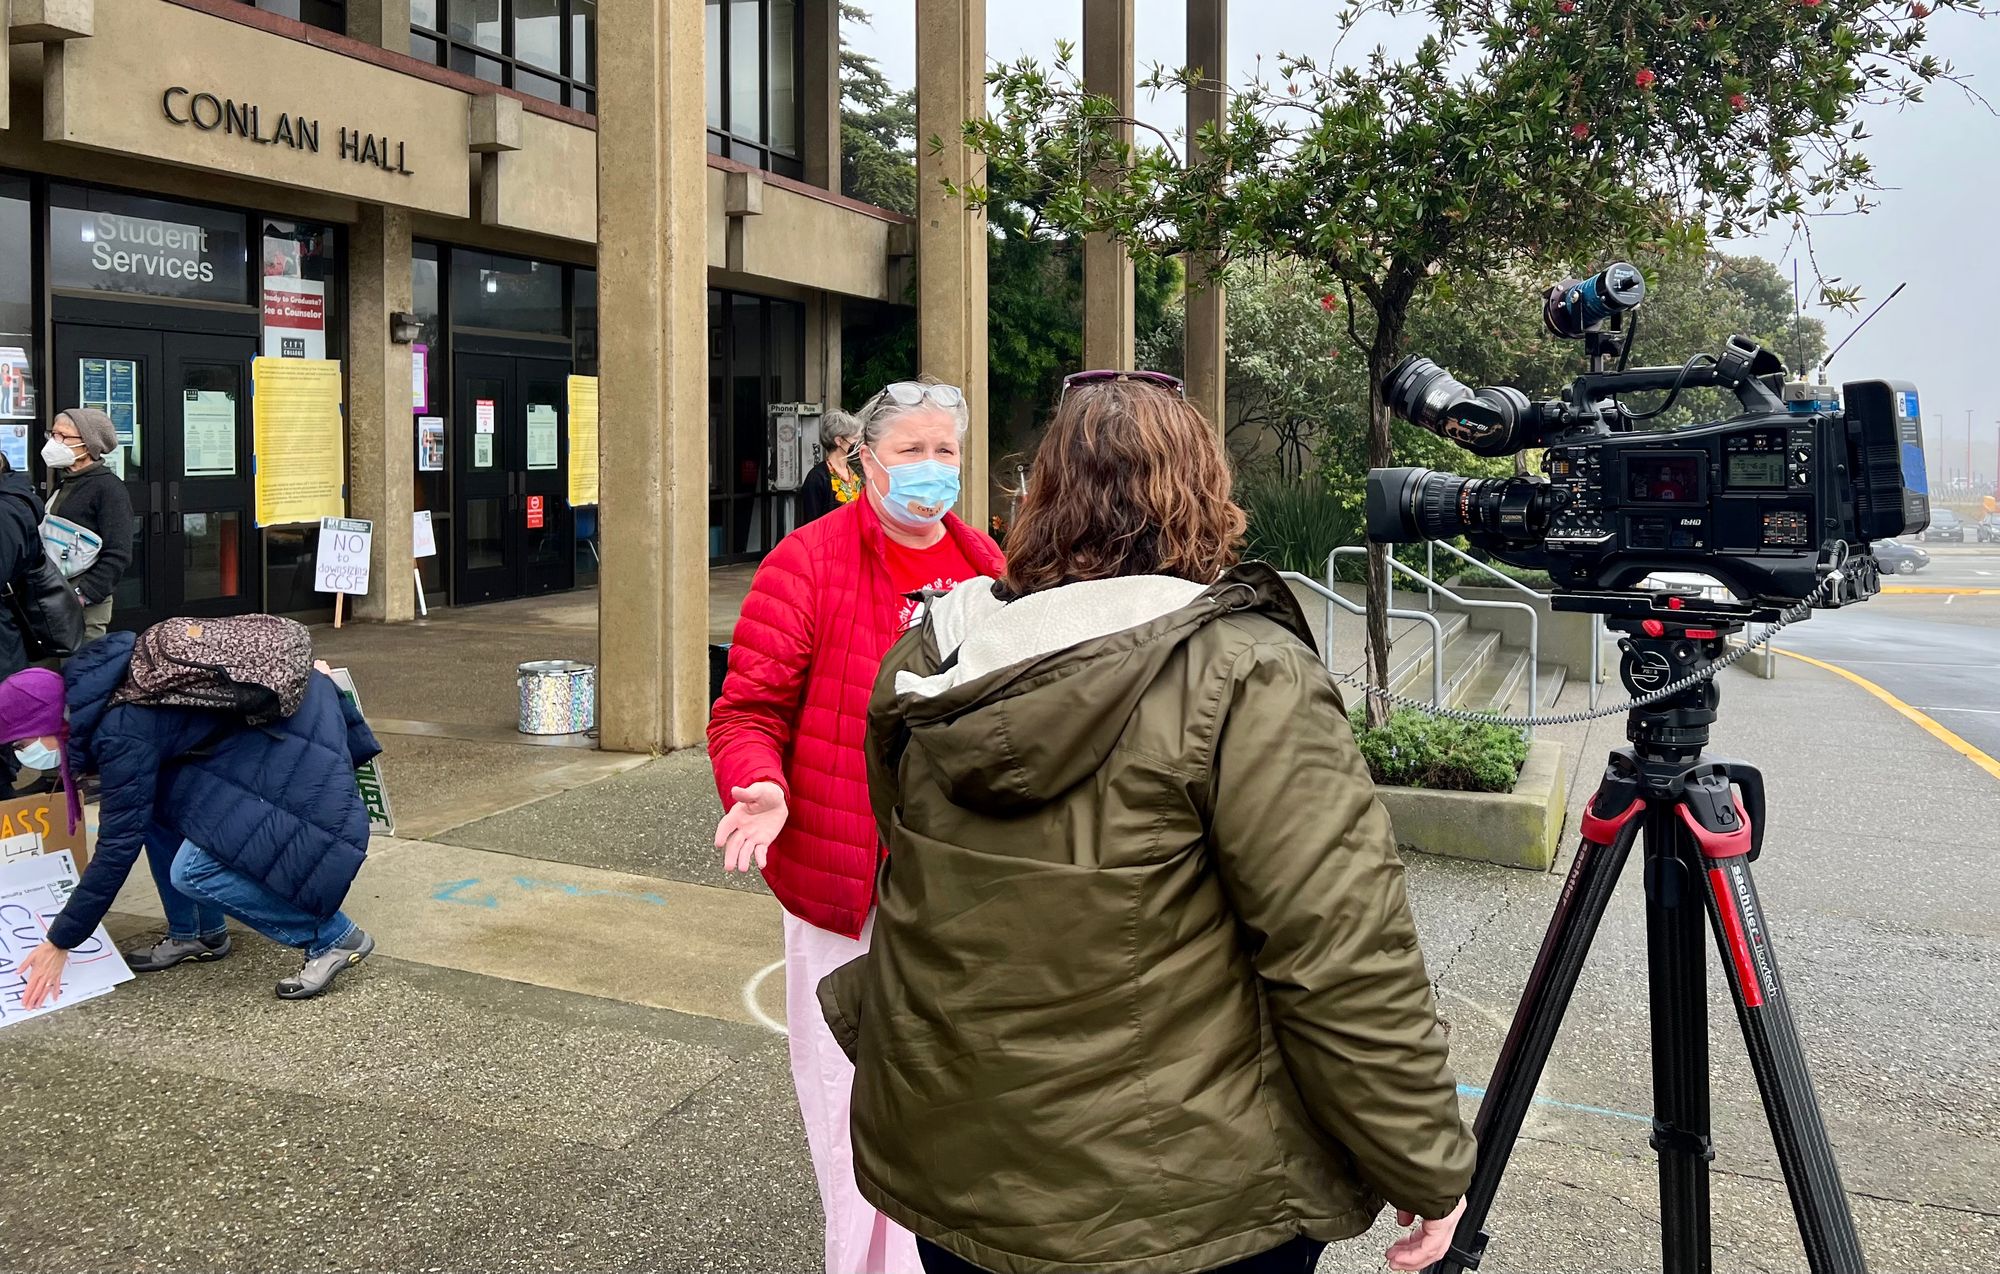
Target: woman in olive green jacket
{"type": "Point", "coordinates": [1145, 992]}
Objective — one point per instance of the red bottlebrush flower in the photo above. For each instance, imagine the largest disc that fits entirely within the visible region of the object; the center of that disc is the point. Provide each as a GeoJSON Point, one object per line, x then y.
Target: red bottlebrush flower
{"type": "Point", "coordinates": [1810, 4]}
{"type": "Point", "coordinates": [1327, 303]}
{"type": "Point", "coordinates": [1334, 352]}
{"type": "Point", "coordinates": [1579, 131]}
{"type": "Point", "coordinates": [1738, 102]}
{"type": "Point", "coordinates": [1920, 10]}
{"type": "Point", "coordinates": [1645, 78]}
{"type": "Point", "coordinates": [1567, 6]}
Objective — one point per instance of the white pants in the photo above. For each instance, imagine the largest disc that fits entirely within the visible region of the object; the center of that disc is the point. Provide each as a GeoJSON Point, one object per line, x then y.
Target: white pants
{"type": "Point", "coordinates": [859, 1240]}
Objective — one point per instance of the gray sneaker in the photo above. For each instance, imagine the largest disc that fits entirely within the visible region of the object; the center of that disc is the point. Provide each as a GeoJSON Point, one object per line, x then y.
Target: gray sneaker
{"type": "Point", "coordinates": [319, 972]}
{"type": "Point", "coordinates": [168, 952]}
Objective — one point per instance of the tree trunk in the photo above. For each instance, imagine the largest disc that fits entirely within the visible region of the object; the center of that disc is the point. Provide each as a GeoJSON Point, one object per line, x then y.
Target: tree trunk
{"type": "Point", "coordinates": [1391, 311]}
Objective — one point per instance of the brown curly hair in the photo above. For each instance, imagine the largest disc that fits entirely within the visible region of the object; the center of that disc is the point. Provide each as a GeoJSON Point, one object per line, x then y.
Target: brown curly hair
{"type": "Point", "coordinates": [1129, 480]}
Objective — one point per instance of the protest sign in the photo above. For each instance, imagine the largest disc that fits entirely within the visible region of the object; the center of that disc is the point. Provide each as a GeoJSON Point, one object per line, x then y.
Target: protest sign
{"type": "Point", "coordinates": [374, 792]}
{"type": "Point", "coordinates": [32, 892]}
{"type": "Point", "coordinates": [341, 567]}
{"type": "Point", "coordinates": [34, 825]}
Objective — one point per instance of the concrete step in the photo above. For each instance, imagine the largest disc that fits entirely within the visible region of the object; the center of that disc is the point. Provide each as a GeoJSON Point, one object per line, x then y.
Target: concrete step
{"type": "Point", "coordinates": [1467, 651]}
{"type": "Point", "coordinates": [1410, 655]}
{"type": "Point", "coordinates": [1502, 688]}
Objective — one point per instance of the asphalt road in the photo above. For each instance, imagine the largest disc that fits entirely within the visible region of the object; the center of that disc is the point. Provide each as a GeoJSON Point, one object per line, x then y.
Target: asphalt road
{"type": "Point", "coordinates": [1939, 654]}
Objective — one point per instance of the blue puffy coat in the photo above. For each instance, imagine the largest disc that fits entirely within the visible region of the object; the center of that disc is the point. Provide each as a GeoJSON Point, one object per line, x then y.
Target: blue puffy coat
{"type": "Point", "coordinates": [276, 803]}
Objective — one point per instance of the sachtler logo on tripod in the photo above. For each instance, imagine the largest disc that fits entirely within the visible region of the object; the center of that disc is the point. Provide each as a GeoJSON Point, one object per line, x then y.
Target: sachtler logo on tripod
{"type": "Point", "coordinates": [1780, 505]}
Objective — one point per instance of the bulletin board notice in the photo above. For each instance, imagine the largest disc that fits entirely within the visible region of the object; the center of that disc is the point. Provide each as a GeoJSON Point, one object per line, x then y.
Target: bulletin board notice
{"type": "Point", "coordinates": [582, 441]}
{"type": "Point", "coordinates": [300, 440]}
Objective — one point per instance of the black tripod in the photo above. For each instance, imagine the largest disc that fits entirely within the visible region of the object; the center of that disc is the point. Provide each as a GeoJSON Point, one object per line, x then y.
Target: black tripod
{"type": "Point", "coordinates": [1700, 839]}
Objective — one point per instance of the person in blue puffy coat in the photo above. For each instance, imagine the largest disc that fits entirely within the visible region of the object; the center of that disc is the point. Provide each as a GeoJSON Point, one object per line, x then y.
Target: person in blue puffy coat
{"type": "Point", "coordinates": [260, 822]}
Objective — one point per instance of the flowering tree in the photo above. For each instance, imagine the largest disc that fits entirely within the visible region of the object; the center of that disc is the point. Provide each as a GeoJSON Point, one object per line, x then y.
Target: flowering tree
{"type": "Point", "coordinates": [1519, 130]}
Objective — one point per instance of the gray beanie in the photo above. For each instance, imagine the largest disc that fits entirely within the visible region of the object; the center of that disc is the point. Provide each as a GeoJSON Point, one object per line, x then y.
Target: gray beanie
{"type": "Point", "coordinates": [95, 428]}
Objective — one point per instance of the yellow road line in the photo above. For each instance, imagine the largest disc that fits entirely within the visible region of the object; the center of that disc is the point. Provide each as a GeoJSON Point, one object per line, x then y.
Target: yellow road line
{"type": "Point", "coordinates": [1940, 592]}
{"type": "Point", "coordinates": [1930, 727]}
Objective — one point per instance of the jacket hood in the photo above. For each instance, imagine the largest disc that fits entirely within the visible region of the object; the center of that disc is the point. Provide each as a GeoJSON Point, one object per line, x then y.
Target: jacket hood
{"type": "Point", "coordinates": [14, 482]}
{"type": "Point", "coordinates": [1026, 699]}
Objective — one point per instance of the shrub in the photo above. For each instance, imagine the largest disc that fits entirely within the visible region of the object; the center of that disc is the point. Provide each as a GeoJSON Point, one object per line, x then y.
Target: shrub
{"type": "Point", "coordinates": [1470, 578]}
{"type": "Point", "coordinates": [1416, 749]}
{"type": "Point", "coordinates": [1296, 522]}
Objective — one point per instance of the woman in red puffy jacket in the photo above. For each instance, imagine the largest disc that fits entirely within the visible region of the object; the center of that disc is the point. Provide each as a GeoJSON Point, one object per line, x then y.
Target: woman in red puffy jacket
{"type": "Point", "coordinates": [785, 740]}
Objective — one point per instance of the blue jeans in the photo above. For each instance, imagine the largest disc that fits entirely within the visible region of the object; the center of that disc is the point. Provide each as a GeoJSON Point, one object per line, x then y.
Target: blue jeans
{"type": "Point", "coordinates": [196, 892]}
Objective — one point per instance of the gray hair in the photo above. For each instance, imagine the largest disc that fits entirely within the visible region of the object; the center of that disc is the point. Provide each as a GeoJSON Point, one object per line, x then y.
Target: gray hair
{"type": "Point", "coordinates": [883, 411]}
{"type": "Point", "coordinates": [835, 425]}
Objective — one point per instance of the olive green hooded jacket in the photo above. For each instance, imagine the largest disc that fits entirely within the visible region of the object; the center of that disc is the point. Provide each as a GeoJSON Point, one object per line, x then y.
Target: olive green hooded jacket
{"type": "Point", "coordinates": [1145, 992]}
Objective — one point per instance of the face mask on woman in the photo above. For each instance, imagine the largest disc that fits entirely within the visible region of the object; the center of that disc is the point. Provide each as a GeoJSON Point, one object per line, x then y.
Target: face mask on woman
{"type": "Point", "coordinates": [920, 492]}
{"type": "Point", "coordinates": [56, 454]}
{"type": "Point", "coordinates": [37, 755]}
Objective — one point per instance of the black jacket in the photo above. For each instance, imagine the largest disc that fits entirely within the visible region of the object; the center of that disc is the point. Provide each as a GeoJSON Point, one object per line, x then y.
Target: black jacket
{"type": "Point", "coordinates": [275, 803]}
{"type": "Point", "coordinates": [96, 499]}
{"type": "Point", "coordinates": [20, 545]}
{"type": "Point", "coordinates": [816, 498]}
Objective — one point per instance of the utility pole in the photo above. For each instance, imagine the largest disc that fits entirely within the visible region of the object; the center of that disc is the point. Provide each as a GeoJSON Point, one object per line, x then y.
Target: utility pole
{"type": "Point", "coordinates": [1968, 449]}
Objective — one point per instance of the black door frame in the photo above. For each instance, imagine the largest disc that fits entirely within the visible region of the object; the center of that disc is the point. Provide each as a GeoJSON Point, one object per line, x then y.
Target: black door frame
{"type": "Point", "coordinates": [535, 560]}
{"type": "Point", "coordinates": [169, 337]}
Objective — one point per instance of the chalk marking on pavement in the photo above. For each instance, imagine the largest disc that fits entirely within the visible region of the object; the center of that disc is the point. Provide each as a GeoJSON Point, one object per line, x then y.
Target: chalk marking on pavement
{"type": "Point", "coordinates": [755, 1009]}
{"type": "Point", "coordinates": [1474, 1090]}
{"type": "Point", "coordinates": [1929, 726]}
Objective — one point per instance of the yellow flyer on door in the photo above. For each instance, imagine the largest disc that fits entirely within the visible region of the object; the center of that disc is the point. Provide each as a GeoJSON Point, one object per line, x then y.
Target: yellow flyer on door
{"type": "Point", "coordinates": [301, 439]}
{"type": "Point", "coordinates": [582, 441]}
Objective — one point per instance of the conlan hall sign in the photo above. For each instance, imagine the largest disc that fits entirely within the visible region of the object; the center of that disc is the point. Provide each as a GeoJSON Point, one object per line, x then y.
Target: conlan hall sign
{"type": "Point", "coordinates": [209, 114]}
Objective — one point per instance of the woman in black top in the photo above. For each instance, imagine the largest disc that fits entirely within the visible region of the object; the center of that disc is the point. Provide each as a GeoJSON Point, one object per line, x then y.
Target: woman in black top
{"type": "Point", "coordinates": [93, 497]}
{"type": "Point", "coordinates": [833, 481]}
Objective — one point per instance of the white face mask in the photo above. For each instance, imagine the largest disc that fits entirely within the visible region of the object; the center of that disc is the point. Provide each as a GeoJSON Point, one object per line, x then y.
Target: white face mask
{"type": "Point", "coordinates": [37, 755]}
{"type": "Point", "coordinates": [56, 454]}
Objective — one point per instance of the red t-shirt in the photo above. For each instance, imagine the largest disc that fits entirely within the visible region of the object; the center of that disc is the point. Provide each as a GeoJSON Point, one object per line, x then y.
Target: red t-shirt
{"type": "Point", "coordinates": [938, 568]}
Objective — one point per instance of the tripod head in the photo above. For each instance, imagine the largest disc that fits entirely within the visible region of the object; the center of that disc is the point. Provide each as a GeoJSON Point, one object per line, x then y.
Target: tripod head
{"type": "Point", "coordinates": [1657, 652]}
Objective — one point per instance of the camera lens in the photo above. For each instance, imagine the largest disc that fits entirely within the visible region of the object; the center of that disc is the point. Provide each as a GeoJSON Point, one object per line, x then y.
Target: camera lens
{"type": "Point", "coordinates": [1488, 422]}
{"type": "Point", "coordinates": [1404, 506]}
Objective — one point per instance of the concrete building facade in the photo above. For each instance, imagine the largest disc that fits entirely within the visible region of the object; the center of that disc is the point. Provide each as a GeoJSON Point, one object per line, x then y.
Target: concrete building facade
{"type": "Point", "coordinates": [563, 256]}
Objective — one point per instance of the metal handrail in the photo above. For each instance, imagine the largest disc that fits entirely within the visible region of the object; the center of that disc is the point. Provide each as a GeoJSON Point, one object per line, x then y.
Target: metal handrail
{"type": "Point", "coordinates": [1354, 608]}
{"type": "Point", "coordinates": [1504, 578]}
{"type": "Point", "coordinates": [1534, 620]}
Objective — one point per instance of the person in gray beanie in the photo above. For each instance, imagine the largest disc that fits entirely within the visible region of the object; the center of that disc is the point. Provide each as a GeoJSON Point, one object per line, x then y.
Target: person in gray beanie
{"type": "Point", "coordinates": [93, 497]}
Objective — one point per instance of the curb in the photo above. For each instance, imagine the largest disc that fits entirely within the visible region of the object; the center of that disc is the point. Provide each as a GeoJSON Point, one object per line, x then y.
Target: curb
{"type": "Point", "coordinates": [1521, 828]}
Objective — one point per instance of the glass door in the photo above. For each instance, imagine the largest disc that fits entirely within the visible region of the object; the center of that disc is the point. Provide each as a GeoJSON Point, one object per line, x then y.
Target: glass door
{"type": "Point", "coordinates": [486, 502]}
{"type": "Point", "coordinates": [206, 447]}
{"type": "Point", "coordinates": [119, 372]}
{"type": "Point", "coordinates": [549, 560]}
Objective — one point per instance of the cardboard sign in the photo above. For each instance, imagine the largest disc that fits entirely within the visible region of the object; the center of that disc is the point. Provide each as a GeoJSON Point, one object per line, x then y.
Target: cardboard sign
{"type": "Point", "coordinates": [538, 512]}
{"type": "Point", "coordinates": [40, 825]}
{"type": "Point", "coordinates": [374, 792]}
{"type": "Point", "coordinates": [423, 536]}
{"type": "Point", "coordinates": [32, 894]}
{"type": "Point", "coordinates": [342, 564]}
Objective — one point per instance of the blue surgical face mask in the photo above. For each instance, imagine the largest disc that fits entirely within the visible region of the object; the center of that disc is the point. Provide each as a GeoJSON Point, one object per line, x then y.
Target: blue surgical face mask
{"type": "Point", "coordinates": [920, 492]}
{"type": "Point", "coordinates": [37, 755]}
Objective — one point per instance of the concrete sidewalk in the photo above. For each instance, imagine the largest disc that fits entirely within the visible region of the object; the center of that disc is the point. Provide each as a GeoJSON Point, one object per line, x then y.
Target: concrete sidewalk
{"type": "Point", "coordinates": [566, 1055]}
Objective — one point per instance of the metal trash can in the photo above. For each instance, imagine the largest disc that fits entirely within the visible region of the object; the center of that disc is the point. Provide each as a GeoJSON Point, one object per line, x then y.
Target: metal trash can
{"type": "Point", "coordinates": [558, 696]}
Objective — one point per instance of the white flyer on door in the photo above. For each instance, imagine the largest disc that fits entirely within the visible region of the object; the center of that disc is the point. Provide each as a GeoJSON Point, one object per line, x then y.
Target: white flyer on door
{"type": "Point", "coordinates": [32, 893]}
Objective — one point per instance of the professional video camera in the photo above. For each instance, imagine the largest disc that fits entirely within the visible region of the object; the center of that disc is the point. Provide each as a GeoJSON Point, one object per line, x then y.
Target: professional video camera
{"type": "Point", "coordinates": [1769, 502]}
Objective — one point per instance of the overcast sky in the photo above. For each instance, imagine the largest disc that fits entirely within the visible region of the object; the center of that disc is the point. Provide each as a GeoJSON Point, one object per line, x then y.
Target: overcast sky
{"type": "Point", "coordinates": [1940, 161]}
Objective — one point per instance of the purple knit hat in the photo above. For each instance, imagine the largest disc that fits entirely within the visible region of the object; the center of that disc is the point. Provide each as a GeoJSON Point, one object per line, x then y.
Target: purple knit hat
{"type": "Point", "coordinates": [31, 706]}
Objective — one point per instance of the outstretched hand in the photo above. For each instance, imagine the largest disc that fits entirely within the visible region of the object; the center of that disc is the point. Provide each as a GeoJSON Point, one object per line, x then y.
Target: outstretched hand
{"type": "Point", "coordinates": [42, 970]}
{"type": "Point", "coordinates": [1425, 1245]}
{"type": "Point", "coordinates": [745, 833]}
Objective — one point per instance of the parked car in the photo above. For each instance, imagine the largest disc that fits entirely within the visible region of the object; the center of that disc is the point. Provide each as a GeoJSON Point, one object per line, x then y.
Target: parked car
{"type": "Point", "coordinates": [1945, 525]}
{"type": "Point", "coordinates": [1988, 529]}
{"type": "Point", "coordinates": [1900, 558]}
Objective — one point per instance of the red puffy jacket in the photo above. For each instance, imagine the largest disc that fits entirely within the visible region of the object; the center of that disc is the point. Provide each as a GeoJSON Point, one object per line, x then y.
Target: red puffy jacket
{"type": "Point", "coordinates": [820, 615]}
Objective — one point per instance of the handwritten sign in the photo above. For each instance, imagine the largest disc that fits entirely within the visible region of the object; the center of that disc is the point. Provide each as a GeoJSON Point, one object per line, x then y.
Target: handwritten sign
{"type": "Point", "coordinates": [34, 825]}
{"type": "Point", "coordinates": [374, 792]}
{"type": "Point", "coordinates": [423, 535]}
{"type": "Point", "coordinates": [32, 893]}
{"type": "Point", "coordinates": [342, 564]}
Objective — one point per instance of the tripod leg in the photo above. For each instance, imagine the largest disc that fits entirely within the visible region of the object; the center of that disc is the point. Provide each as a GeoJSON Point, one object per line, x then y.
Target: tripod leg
{"type": "Point", "coordinates": [1609, 826]}
{"type": "Point", "coordinates": [1677, 961]}
{"type": "Point", "coordinates": [1826, 1226]}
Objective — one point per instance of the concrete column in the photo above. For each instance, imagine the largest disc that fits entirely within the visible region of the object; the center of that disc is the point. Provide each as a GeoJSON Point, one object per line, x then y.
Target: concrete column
{"type": "Point", "coordinates": [1109, 70]}
{"type": "Point", "coordinates": [383, 23]}
{"type": "Point", "coordinates": [382, 441]}
{"type": "Point", "coordinates": [1207, 332]}
{"type": "Point", "coordinates": [652, 281]}
{"type": "Point", "coordinates": [823, 367]}
{"type": "Point", "coordinates": [951, 241]}
{"type": "Point", "coordinates": [820, 21]}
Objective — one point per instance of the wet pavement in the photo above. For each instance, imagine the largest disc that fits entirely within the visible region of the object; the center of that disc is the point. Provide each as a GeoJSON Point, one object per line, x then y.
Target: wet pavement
{"type": "Point", "coordinates": [566, 1054]}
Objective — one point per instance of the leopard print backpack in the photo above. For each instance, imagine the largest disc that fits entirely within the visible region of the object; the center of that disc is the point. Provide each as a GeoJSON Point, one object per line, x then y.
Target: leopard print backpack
{"type": "Point", "coordinates": [254, 666]}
